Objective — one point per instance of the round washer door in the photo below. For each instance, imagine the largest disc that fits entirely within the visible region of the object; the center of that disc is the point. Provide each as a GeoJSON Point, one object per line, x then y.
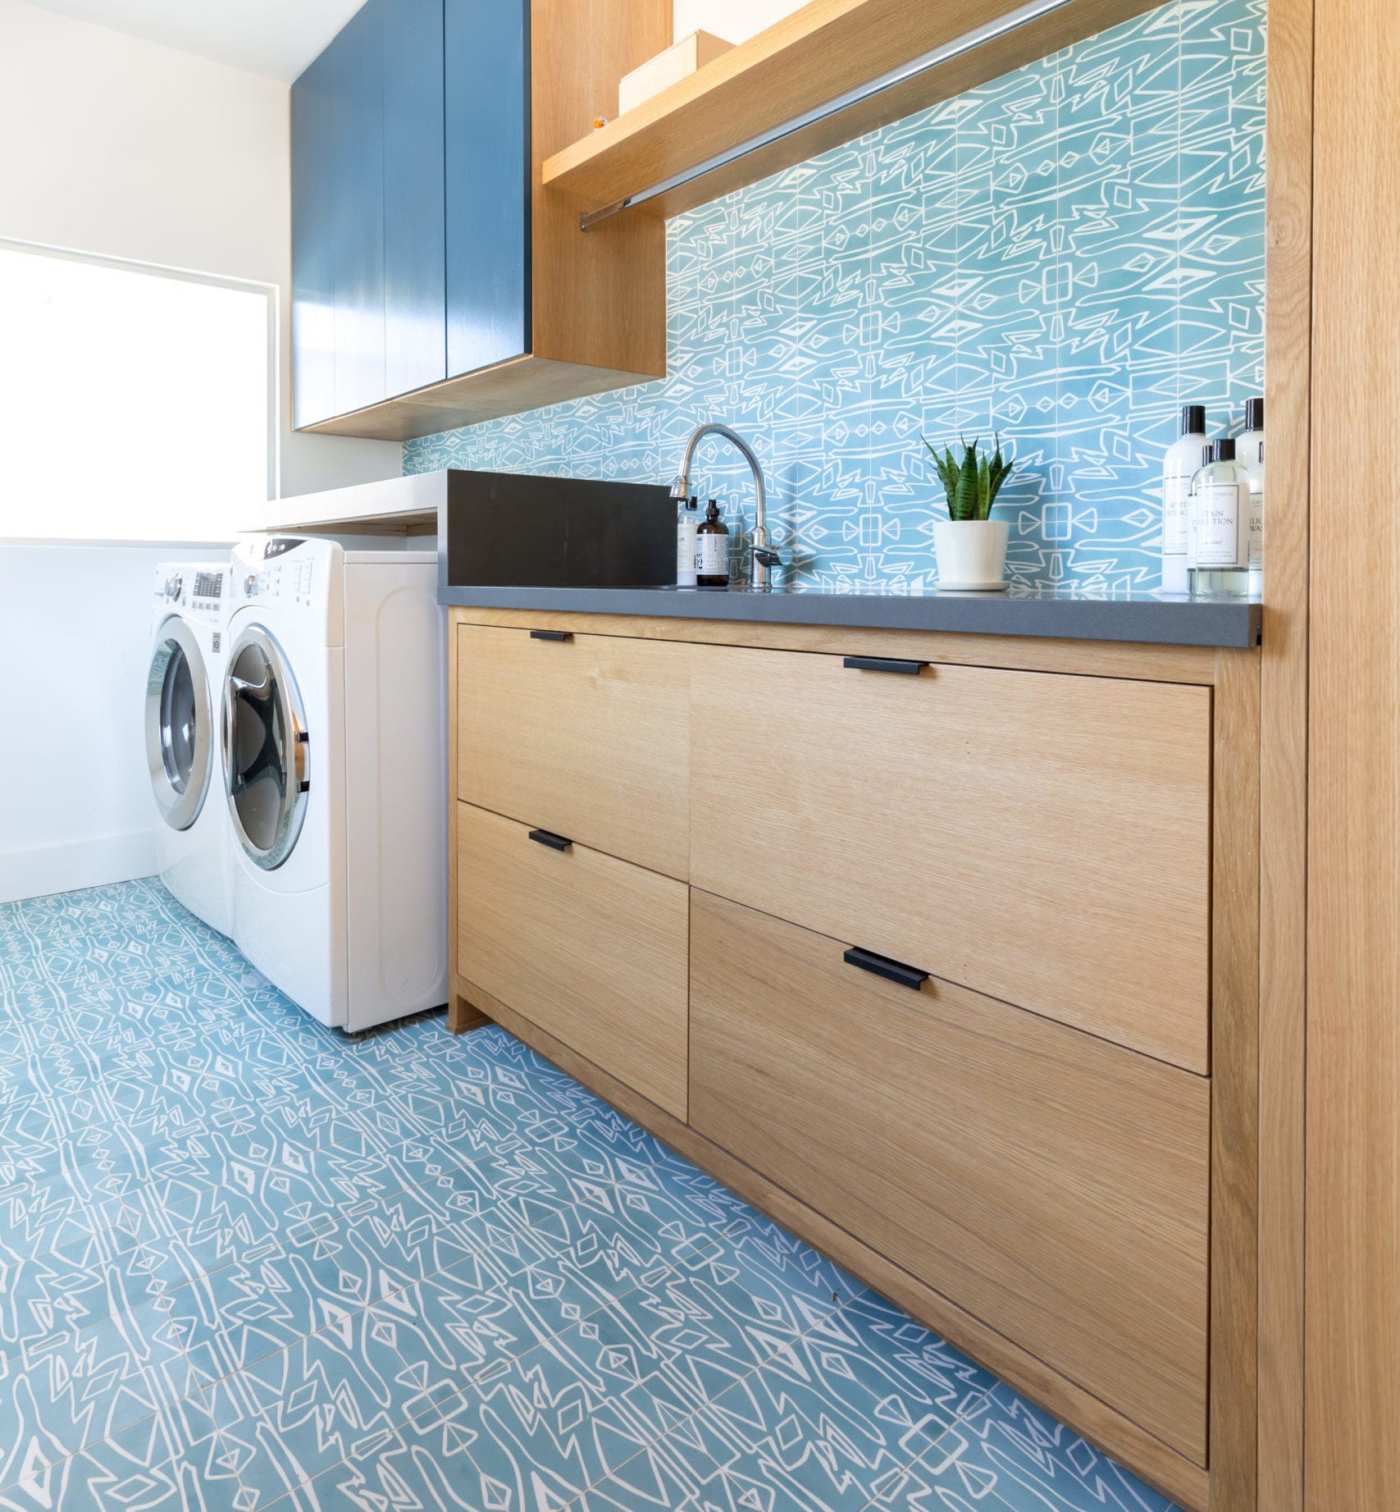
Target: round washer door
{"type": "Point", "coordinates": [265, 749]}
{"type": "Point", "coordinates": [179, 724]}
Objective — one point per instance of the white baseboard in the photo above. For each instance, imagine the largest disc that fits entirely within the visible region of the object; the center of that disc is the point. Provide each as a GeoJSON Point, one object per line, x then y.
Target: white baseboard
{"type": "Point", "coordinates": [66, 868]}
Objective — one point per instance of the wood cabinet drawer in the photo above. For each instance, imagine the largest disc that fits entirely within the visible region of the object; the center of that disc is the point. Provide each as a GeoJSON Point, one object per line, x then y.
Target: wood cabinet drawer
{"type": "Point", "coordinates": [587, 736]}
{"type": "Point", "coordinates": [1042, 838]}
{"type": "Point", "coordinates": [1052, 1184]}
{"type": "Point", "coordinates": [589, 948]}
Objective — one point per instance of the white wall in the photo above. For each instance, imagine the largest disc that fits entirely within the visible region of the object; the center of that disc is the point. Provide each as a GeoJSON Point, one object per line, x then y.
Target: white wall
{"type": "Point", "coordinates": [123, 148]}
{"type": "Point", "coordinates": [75, 802]}
{"type": "Point", "coordinates": [734, 20]}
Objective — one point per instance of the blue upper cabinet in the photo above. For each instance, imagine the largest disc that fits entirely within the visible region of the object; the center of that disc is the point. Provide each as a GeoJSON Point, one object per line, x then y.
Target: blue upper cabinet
{"type": "Point", "coordinates": [314, 105]}
{"type": "Point", "coordinates": [415, 284]}
{"type": "Point", "coordinates": [419, 226]}
{"type": "Point", "coordinates": [488, 182]}
{"type": "Point", "coordinates": [357, 188]}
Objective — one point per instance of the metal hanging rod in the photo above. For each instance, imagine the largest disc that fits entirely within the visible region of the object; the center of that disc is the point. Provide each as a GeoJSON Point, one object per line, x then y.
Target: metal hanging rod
{"type": "Point", "coordinates": [1013, 20]}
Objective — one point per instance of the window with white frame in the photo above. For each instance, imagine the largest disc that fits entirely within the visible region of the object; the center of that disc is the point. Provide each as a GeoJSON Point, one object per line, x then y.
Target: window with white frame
{"type": "Point", "coordinates": [136, 403]}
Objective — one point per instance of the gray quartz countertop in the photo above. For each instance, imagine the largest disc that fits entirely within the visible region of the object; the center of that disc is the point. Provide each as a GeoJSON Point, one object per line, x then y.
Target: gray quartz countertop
{"type": "Point", "coordinates": [1146, 619]}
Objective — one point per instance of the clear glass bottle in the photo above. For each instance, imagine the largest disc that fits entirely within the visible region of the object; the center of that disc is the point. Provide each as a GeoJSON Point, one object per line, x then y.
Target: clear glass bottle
{"type": "Point", "coordinates": [1256, 525]}
{"type": "Point", "coordinates": [1218, 549]}
{"type": "Point", "coordinates": [1249, 452]}
{"type": "Point", "coordinates": [1179, 467]}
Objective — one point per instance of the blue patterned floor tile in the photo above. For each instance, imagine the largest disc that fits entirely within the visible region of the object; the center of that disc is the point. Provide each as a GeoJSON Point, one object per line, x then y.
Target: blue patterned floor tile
{"type": "Point", "coordinates": [884, 1329]}
{"type": "Point", "coordinates": [1031, 1461]}
{"type": "Point", "coordinates": [471, 1335]}
{"type": "Point", "coordinates": [308, 1407]}
{"type": "Point", "coordinates": [997, 1472]}
{"type": "Point", "coordinates": [424, 1477]}
{"type": "Point", "coordinates": [680, 1470]}
{"type": "Point", "coordinates": [139, 1469]}
{"type": "Point", "coordinates": [733, 1455]}
{"type": "Point", "coordinates": [539, 1432]}
{"type": "Point", "coordinates": [834, 1422]}
{"type": "Point", "coordinates": [247, 1261]}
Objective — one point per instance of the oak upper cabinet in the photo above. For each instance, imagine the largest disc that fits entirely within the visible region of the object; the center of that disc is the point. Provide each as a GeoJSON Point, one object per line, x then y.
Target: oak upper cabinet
{"type": "Point", "coordinates": [434, 282]}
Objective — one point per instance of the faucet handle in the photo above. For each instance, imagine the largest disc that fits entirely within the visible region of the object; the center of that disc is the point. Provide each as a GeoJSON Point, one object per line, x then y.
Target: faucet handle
{"type": "Point", "coordinates": [767, 557]}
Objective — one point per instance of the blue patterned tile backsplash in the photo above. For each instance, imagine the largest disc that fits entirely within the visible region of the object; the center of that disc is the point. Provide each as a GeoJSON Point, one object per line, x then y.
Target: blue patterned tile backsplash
{"type": "Point", "coordinates": [1063, 256]}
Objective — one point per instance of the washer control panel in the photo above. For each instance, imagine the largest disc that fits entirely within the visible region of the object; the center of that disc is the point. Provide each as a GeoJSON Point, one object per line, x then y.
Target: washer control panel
{"type": "Point", "coordinates": [200, 589]}
{"type": "Point", "coordinates": [270, 569]}
{"type": "Point", "coordinates": [206, 592]}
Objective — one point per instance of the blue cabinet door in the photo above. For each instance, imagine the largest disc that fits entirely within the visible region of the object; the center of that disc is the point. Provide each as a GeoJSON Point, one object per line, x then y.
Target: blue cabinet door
{"type": "Point", "coordinates": [488, 181]}
{"type": "Point", "coordinates": [415, 261]}
{"type": "Point", "coordinates": [411, 202]}
{"type": "Point", "coordinates": [357, 252]}
{"type": "Point", "coordinates": [313, 277]}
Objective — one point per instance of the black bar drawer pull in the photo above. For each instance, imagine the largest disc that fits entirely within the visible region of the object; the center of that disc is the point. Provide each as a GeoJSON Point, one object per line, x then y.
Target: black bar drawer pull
{"type": "Point", "coordinates": [882, 966]}
{"type": "Point", "coordinates": [552, 635]}
{"type": "Point", "coordinates": [549, 838]}
{"type": "Point", "coordinates": [883, 664]}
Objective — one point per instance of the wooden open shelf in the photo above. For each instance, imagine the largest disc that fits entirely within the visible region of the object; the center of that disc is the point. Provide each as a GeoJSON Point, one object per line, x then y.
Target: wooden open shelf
{"type": "Point", "coordinates": [806, 60]}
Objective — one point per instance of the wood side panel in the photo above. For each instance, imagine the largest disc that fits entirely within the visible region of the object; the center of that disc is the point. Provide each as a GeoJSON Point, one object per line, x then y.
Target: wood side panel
{"type": "Point", "coordinates": [949, 1130]}
{"type": "Point", "coordinates": [1353, 969]}
{"type": "Point", "coordinates": [803, 61]}
{"type": "Point", "coordinates": [1181, 664]}
{"type": "Point", "coordinates": [588, 737]}
{"type": "Point", "coordinates": [958, 821]}
{"type": "Point", "coordinates": [600, 299]}
{"type": "Point", "coordinates": [589, 947]}
{"type": "Point", "coordinates": [460, 1014]}
{"type": "Point", "coordinates": [1186, 1483]}
{"type": "Point", "coordinates": [1235, 1087]}
{"type": "Point", "coordinates": [1283, 757]}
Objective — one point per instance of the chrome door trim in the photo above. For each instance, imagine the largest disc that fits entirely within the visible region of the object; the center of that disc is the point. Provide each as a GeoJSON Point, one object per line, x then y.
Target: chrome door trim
{"type": "Point", "coordinates": [179, 807]}
{"type": "Point", "coordinates": [279, 703]}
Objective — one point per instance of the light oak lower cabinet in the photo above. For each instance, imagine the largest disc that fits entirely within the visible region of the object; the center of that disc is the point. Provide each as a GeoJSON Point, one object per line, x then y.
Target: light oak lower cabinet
{"type": "Point", "coordinates": [1055, 1185]}
{"type": "Point", "coordinates": [1042, 839]}
{"type": "Point", "coordinates": [590, 948]}
{"type": "Point", "coordinates": [587, 736]}
{"type": "Point", "coordinates": [1048, 1151]}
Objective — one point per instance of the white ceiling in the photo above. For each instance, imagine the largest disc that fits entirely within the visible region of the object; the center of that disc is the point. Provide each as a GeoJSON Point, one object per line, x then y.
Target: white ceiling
{"type": "Point", "coordinates": [274, 37]}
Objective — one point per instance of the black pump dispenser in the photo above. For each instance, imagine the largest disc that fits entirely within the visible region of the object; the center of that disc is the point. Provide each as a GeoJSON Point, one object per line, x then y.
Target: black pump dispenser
{"type": "Point", "coordinates": [712, 542]}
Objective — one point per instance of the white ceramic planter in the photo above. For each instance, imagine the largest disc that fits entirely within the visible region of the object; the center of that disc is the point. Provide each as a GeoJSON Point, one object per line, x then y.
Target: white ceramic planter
{"type": "Point", "coordinates": [971, 554]}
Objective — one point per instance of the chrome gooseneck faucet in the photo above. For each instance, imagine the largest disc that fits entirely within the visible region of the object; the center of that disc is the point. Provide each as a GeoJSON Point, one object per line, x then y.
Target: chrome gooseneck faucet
{"type": "Point", "coordinates": [764, 557]}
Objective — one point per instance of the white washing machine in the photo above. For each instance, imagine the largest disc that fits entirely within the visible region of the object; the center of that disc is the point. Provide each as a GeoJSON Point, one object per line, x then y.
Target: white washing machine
{"type": "Point", "coordinates": [189, 615]}
{"type": "Point", "coordinates": [335, 775]}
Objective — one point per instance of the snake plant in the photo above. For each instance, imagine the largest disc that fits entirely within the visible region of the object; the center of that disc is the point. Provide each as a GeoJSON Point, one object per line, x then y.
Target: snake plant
{"type": "Point", "coordinates": [973, 483]}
